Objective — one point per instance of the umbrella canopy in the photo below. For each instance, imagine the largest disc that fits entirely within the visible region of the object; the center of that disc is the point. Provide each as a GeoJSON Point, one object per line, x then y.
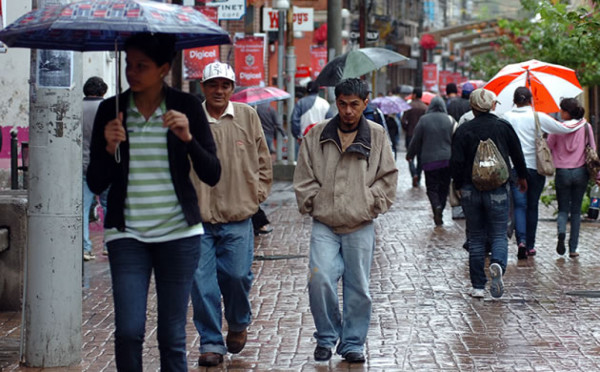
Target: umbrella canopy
{"type": "Point", "coordinates": [91, 25]}
{"type": "Point", "coordinates": [426, 98]}
{"type": "Point", "coordinates": [256, 95]}
{"type": "Point", "coordinates": [356, 63]}
{"type": "Point", "coordinates": [391, 104]}
{"type": "Point", "coordinates": [548, 83]}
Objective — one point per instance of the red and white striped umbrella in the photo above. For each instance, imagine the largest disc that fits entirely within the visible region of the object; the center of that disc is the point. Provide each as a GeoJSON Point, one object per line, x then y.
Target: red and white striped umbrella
{"type": "Point", "coordinates": [256, 95]}
{"type": "Point", "coordinates": [548, 83]}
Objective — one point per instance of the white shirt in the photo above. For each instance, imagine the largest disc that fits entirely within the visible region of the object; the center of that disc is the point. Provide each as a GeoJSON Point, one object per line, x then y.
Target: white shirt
{"type": "Point", "coordinates": [523, 122]}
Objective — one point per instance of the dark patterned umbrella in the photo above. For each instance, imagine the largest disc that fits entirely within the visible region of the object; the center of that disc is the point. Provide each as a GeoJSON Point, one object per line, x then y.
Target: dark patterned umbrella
{"type": "Point", "coordinates": [96, 25]}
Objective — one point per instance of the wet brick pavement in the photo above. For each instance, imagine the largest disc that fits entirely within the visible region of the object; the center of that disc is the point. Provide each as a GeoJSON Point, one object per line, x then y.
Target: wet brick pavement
{"type": "Point", "coordinates": [423, 317]}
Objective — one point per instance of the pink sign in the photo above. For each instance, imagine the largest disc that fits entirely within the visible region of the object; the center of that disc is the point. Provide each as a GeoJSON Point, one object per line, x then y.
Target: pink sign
{"type": "Point", "coordinates": [249, 61]}
{"type": "Point", "coordinates": [430, 76]}
{"type": "Point", "coordinates": [318, 59]}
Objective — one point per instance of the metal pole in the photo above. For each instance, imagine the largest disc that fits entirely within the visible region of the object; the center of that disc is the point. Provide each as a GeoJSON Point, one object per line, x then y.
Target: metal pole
{"type": "Point", "coordinates": [14, 161]}
{"type": "Point", "coordinates": [280, 72]}
{"type": "Point", "coordinates": [290, 64]}
{"type": "Point", "coordinates": [334, 26]}
{"type": "Point", "coordinates": [54, 215]}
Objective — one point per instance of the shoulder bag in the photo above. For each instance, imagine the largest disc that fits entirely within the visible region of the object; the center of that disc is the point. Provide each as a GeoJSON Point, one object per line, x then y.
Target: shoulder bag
{"type": "Point", "coordinates": [592, 161]}
{"type": "Point", "coordinates": [543, 155]}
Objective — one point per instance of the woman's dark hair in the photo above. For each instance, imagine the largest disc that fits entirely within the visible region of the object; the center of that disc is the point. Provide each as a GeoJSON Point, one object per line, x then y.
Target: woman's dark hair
{"type": "Point", "coordinates": [160, 48]}
{"type": "Point", "coordinates": [522, 96]}
{"type": "Point", "coordinates": [349, 87]}
{"type": "Point", "coordinates": [94, 87]}
{"type": "Point", "coordinates": [572, 107]}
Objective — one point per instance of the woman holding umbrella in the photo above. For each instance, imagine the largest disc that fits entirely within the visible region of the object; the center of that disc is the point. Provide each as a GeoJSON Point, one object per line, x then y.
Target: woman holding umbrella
{"type": "Point", "coordinates": [568, 153]}
{"type": "Point", "coordinates": [522, 118]}
{"type": "Point", "coordinates": [153, 221]}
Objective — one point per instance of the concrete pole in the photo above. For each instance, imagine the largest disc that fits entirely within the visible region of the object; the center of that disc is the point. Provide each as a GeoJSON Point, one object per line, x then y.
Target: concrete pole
{"type": "Point", "coordinates": [334, 26]}
{"type": "Point", "coordinates": [290, 65]}
{"type": "Point", "coordinates": [54, 248]}
{"type": "Point", "coordinates": [280, 85]}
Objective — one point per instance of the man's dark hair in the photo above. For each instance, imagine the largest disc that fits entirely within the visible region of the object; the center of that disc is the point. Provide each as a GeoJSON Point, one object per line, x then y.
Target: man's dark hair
{"type": "Point", "coordinates": [95, 87]}
{"type": "Point", "coordinates": [312, 87]}
{"type": "Point", "coordinates": [160, 48]}
{"type": "Point", "coordinates": [349, 87]}
{"type": "Point", "coordinates": [451, 88]}
{"type": "Point", "coordinates": [417, 93]}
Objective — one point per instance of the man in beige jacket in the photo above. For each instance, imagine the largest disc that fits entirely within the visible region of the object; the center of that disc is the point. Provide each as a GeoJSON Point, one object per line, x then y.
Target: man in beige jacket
{"type": "Point", "coordinates": [227, 246]}
{"type": "Point", "coordinates": [344, 178]}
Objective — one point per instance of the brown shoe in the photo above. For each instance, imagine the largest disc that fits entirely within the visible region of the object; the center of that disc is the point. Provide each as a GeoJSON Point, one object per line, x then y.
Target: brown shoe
{"type": "Point", "coordinates": [236, 341]}
{"type": "Point", "coordinates": [210, 359]}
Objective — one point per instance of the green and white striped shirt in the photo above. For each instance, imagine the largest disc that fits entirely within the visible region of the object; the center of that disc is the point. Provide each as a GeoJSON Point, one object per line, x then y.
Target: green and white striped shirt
{"type": "Point", "coordinates": [152, 210]}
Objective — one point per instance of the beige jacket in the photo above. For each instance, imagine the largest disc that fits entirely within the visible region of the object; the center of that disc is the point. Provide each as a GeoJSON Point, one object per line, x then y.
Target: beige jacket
{"type": "Point", "coordinates": [345, 190]}
{"type": "Point", "coordinates": [246, 175]}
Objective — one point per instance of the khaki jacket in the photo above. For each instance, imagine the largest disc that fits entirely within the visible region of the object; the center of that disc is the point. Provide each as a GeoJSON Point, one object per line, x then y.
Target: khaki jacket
{"type": "Point", "coordinates": [247, 173]}
{"type": "Point", "coordinates": [345, 190]}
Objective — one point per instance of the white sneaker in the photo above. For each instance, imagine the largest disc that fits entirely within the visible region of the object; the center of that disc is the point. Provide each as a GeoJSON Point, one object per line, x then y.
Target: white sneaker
{"type": "Point", "coordinates": [88, 256]}
{"type": "Point", "coordinates": [477, 292]}
{"type": "Point", "coordinates": [497, 286]}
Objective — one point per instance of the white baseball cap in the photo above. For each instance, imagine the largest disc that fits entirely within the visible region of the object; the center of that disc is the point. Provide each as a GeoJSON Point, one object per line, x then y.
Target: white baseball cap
{"type": "Point", "coordinates": [218, 70]}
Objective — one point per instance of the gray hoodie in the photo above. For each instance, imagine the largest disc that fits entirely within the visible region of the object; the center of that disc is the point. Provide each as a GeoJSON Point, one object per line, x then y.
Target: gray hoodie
{"type": "Point", "coordinates": [432, 140]}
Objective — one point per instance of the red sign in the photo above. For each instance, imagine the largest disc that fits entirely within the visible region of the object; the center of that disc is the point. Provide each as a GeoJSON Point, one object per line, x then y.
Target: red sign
{"type": "Point", "coordinates": [195, 59]}
{"type": "Point", "coordinates": [318, 59]}
{"type": "Point", "coordinates": [302, 71]}
{"type": "Point", "coordinates": [249, 61]}
{"type": "Point", "coordinates": [456, 76]}
{"type": "Point", "coordinates": [430, 76]}
{"type": "Point", "coordinates": [445, 79]}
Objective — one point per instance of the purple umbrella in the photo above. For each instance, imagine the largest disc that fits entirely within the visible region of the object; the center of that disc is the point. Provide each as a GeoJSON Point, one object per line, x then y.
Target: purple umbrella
{"type": "Point", "coordinates": [391, 104]}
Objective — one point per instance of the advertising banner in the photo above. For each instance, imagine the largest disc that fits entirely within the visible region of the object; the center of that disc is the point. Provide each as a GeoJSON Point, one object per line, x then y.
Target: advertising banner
{"type": "Point", "coordinates": [445, 79]}
{"type": "Point", "coordinates": [195, 59]}
{"type": "Point", "coordinates": [304, 19]}
{"type": "Point", "coordinates": [430, 76]}
{"type": "Point", "coordinates": [249, 60]}
{"type": "Point", "coordinates": [318, 59]}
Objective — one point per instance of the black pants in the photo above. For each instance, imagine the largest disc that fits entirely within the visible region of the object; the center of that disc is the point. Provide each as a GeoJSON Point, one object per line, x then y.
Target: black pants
{"type": "Point", "coordinates": [259, 219]}
{"type": "Point", "coordinates": [437, 182]}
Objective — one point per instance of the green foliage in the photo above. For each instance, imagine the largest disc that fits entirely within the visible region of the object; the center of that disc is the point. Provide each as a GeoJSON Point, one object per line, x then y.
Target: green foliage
{"type": "Point", "coordinates": [554, 33]}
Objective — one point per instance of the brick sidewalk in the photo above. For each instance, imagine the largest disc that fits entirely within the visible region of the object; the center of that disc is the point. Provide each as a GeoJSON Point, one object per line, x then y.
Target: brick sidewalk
{"type": "Point", "coordinates": [423, 317]}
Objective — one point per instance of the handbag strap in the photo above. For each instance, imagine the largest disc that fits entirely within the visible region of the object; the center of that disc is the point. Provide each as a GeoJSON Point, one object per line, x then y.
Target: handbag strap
{"type": "Point", "coordinates": [538, 129]}
{"type": "Point", "coordinates": [587, 135]}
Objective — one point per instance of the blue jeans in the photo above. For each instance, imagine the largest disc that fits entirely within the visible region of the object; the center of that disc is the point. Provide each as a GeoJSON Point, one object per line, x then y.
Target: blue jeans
{"type": "Point", "coordinates": [88, 199]}
{"type": "Point", "coordinates": [225, 269]}
{"type": "Point", "coordinates": [570, 188]}
{"type": "Point", "coordinates": [414, 165]}
{"type": "Point", "coordinates": [526, 208]}
{"type": "Point", "coordinates": [131, 265]}
{"type": "Point", "coordinates": [349, 257]}
{"type": "Point", "coordinates": [486, 214]}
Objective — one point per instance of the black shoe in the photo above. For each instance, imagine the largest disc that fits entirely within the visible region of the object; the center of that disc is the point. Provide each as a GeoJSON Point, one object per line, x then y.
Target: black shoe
{"type": "Point", "coordinates": [560, 246]}
{"type": "Point", "coordinates": [322, 354]}
{"type": "Point", "coordinates": [354, 357]}
{"type": "Point", "coordinates": [522, 252]}
{"type": "Point", "coordinates": [438, 216]}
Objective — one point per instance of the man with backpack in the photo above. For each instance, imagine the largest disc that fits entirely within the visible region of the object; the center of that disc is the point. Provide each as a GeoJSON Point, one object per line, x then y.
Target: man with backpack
{"type": "Point", "coordinates": [486, 211]}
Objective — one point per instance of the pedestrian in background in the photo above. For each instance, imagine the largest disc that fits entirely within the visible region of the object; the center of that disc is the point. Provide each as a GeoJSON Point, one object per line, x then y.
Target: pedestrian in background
{"type": "Point", "coordinates": [568, 153]}
{"type": "Point", "coordinates": [432, 142]}
{"type": "Point", "coordinates": [458, 106]}
{"type": "Point", "coordinates": [94, 90]}
{"type": "Point", "coordinates": [522, 119]}
{"type": "Point", "coordinates": [344, 178]}
{"type": "Point", "coordinates": [409, 122]}
{"type": "Point", "coordinates": [153, 222]}
{"type": "Point", "coordinates": [308, 111]}
{"type": "Point", "coordinates": [227, 247]}
{"type": "Point", "coordinates": [486, 212]}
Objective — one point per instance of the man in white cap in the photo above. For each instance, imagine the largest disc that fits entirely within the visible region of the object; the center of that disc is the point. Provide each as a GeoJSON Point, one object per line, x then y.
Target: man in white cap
{"type": "Point", "coordinates": [486, 212]}
{"type": "Point", "coordinates": [227, 246]}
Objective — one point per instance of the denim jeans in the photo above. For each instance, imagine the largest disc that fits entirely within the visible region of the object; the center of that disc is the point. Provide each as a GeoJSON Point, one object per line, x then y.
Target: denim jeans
{"type": "Point", "coordinates": [88, 199]}
{"type": "Point", "coordinates": [131, 265]}
{"type": "Point", "coordinates": [225, 269]}
{"type": "Point", "coordinates": [486, 214]}
{"type": "Point", "coordinates": [570, 188]}
{"type": "Point", "coordinates": [414, 165]}
{"type": "Point", "coordinates": [349, 257]}
{"type": "Point", "coordinates": [437, 182]}
{"type": "Point", "coordinates": [526, 207]}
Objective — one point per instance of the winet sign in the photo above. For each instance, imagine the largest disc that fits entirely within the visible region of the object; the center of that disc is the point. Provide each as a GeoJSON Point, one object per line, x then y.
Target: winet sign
{"type": "Point", "coordinates": [304, 19]}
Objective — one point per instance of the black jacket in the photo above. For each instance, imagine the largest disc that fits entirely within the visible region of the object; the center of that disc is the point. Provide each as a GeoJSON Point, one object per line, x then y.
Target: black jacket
{"type": "Point", "coordinates": [104, 172]}
{"type": "Point", "coordinates": [467, 137]}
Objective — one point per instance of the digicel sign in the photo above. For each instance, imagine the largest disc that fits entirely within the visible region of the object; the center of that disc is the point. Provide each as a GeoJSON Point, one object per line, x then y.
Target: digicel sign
{"type": "Point", "coordinates": [304, 19]}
